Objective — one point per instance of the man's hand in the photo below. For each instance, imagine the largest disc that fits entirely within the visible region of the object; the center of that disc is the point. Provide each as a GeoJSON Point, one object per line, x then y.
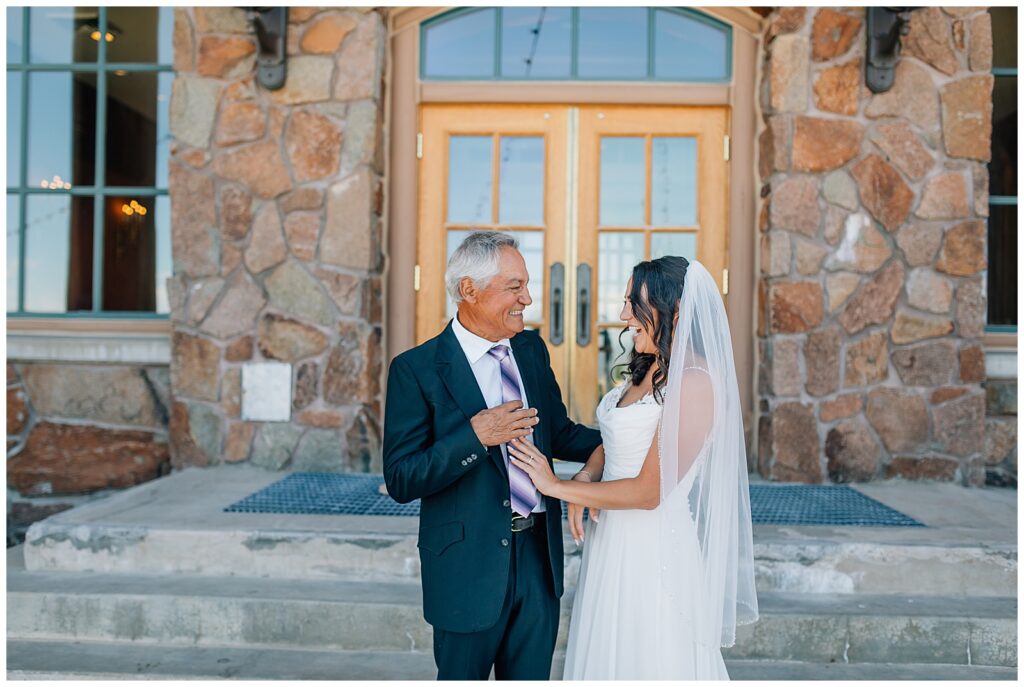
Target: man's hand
{"type": "Point", "coordinates": [501, 424]}
{"type": "Point", "coordinates": [576, 511]}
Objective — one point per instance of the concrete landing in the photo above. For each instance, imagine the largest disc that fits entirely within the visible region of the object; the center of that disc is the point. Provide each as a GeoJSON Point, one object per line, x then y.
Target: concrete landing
{"type": "Point", "coordinates": [177, 524]}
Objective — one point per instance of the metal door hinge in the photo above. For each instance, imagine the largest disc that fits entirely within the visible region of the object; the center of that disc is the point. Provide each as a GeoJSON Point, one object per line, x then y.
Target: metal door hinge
{"type": "Point", "coordinates": [419, 146]}
{"type": "Point", "coordinates": [726, 146]}
{"type": "Point", "coordinates": [725, 281]}
{"type": "Point", "coordinates": [416, 278]}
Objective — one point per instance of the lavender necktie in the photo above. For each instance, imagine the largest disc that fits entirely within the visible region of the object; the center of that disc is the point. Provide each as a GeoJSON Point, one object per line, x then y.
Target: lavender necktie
{"type": "Point", "coordinates": [524, 494]}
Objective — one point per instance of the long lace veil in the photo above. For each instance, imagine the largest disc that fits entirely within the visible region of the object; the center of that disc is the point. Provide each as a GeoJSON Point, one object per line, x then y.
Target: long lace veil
{"type": "Point", "coordinates": [704, 466]}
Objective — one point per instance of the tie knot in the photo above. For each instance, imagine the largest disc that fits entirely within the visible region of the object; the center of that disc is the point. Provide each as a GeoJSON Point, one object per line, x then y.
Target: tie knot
{"type": "Point", "coordinates": [499, 352]}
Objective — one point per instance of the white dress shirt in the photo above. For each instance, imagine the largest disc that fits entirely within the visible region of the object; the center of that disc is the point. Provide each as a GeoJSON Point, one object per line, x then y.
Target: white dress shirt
{"type": "Point", "coordinates": [487, 371]}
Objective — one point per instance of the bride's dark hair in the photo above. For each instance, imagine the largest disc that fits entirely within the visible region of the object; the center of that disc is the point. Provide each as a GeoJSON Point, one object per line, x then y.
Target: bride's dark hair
{"type": "Point", "coordinates": [664, 279]}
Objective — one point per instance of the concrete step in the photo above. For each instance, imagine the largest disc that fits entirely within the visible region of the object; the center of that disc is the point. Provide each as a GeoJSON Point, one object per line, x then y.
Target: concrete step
{"type": "Point", "coordinates": [85, 660]}
{"type": "Point", "coordinates": [360, 615]}
{"type": "Point", "coordinates": [817, 563]}
{"type": "Point", "coordinates": [177, 524]}
{"type": "Point", "coordinates": [76, 660]}
{"type": "Point", "coordinates": [816, 560]}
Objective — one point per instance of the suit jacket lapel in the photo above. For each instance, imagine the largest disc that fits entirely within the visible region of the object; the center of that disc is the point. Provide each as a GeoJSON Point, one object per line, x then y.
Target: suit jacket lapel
{"type": "Point", "coordinates": [458, 378]}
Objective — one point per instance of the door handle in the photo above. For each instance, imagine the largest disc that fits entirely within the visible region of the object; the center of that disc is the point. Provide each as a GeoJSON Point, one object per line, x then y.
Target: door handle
{"type": "Point", "coordinates": [583, 304]}
{"type": "Point", "coordinates": [557, 297]}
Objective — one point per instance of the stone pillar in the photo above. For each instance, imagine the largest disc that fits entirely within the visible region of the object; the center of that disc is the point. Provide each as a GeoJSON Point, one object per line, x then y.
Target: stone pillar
{"type": "Point", "coordinates": [872, 247]}
{"type": "Point", "coordinates": [276, 203]}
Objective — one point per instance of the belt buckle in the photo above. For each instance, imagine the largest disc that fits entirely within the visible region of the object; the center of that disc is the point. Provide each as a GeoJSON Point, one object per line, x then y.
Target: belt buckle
{"type": "Point", "coordinates": [527, 522]}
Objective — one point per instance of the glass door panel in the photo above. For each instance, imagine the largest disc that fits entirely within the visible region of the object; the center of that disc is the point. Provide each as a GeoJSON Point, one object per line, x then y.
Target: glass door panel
{"type": "Point", "coordinates": [673, 181]}
{"type": "Point", "coordinates": [621, 198]}
{"type": "Point", "coordinates": [521, 181]}
{"type": "Point", "coordinates": [652, 183]}
{"type": "Point", "coordinates": [496, 168]}
{"type": "Point", "coordinates": [682, 243]}
{"type": "Point", "coordinates": [470, 186]}
{"type": "Point", "coordinates": [618, 251]}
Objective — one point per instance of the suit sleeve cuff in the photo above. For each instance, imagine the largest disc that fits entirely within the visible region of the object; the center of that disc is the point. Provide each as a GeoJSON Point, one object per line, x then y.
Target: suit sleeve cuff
{"type": "Point", "coordinates": [464, 447]}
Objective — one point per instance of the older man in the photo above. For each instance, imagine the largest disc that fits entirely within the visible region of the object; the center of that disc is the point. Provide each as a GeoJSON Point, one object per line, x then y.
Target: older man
{"type": "Point", "coordinates": [490, 544]}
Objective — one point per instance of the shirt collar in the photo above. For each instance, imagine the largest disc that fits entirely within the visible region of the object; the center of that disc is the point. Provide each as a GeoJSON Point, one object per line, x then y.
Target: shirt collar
{"type": "Point", "coordinates": [474, 346]}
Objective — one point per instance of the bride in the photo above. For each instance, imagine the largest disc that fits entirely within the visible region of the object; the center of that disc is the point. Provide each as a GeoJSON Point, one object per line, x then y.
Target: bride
{"type": "Point", "coordinates": [667, 571]}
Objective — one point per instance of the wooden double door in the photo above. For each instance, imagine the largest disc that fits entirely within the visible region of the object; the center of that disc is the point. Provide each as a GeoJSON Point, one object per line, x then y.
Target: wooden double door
{"type": "Point", "coordinates": [589, 191]}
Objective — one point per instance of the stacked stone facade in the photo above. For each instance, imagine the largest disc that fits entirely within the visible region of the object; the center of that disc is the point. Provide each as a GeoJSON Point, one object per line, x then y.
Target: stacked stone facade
{"type": "Point", "coordinates": [1001, 432]}
{"type": "Point", "coordinates": [871, 293]}
{"type": "Point", "coordinates": [276, 201]}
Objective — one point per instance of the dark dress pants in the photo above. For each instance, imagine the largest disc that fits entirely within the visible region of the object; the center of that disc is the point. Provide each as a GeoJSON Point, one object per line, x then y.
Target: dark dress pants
{"type": "Point", "coordinates": [520, 645]}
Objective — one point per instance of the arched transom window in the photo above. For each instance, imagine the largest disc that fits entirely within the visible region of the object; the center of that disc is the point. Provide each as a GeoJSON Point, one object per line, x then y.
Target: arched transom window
{"type": "Point", "coordinates": [576, 43]}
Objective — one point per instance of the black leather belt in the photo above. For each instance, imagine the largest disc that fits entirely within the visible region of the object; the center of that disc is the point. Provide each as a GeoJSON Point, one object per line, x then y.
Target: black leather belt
{"type": "Point", "coordinates": [521, 524]}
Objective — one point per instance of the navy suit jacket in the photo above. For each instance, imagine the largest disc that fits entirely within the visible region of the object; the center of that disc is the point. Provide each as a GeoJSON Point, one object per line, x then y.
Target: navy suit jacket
{"type": "Point", "coordinates": [431, 453]}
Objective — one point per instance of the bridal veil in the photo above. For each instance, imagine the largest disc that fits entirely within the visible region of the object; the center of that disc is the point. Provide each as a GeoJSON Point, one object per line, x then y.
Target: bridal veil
{"type": "Point", "coordinates": [704, 468]}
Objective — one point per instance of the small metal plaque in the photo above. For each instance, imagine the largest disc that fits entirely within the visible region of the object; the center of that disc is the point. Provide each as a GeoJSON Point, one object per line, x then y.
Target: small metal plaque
{"type": "Point", "coordinates": [267, 392]}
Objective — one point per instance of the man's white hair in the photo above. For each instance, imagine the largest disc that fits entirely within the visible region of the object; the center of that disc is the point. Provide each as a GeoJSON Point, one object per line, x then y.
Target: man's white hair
{"type": "Point", "coordinates": [476, 258]}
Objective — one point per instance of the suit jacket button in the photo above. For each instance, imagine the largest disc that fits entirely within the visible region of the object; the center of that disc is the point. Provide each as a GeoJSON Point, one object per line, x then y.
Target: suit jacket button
{"type": "Point", "coordinates": [504, 542]}
{"type": "Point", "coordinates": [472, 456]}
{"type": "Point", "coordinates": [506, 503]}
{"type": "Point", "coordinates": [465, 463]}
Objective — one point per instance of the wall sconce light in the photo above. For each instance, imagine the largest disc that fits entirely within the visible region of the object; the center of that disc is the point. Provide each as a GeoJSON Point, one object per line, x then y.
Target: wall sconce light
{"type": "Point", "coordinates": [271, 26]}
{"type": "Point", "coordinates": [885, 25]}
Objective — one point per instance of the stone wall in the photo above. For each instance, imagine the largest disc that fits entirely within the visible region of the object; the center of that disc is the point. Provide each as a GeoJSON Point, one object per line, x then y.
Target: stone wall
{"type": "Point", "coordinates": [873, 245]}
{"type": "Point", "coordinates": [75, 430]}
{"type": "Point", "coordinates": [276, 199]}
{"type": "Point", "coordinates": [1001, 432]}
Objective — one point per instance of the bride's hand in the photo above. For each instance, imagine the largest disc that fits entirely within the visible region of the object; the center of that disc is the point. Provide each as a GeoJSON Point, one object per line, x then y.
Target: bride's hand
{"type": "Point", "coordinates": [576, 528]}
{"type": "Point", "coordinates": [576, 511]}
{"type": "Point", "coordinates": [527, 458]}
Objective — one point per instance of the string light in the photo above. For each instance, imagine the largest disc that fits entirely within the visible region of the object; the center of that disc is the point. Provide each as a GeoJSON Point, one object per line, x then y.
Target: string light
{"type": "Point", "coordinates": [134, 208]}
{"type": "Point", "coordinates": [55, 183]}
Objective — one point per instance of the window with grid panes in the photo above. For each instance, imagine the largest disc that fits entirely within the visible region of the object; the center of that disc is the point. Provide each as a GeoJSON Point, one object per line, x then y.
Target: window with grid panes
{"type": "Point", "coordinates": [1002, 174]}
{"type": "Point", "coordinates": [576, 43]}
{"type": "Point", "coordinates": [88, 215]}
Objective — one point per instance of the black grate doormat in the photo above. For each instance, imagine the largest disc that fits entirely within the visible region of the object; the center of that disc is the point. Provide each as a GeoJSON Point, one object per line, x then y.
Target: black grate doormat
{"type": "Point", "coordinates": [323, 493]}
{"type": "Point", "coordinates": [811, 504]}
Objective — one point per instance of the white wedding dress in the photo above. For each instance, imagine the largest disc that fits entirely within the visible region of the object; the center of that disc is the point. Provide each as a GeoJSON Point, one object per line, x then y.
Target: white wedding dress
{"type": "Point", "coordinates": [628, 622]}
